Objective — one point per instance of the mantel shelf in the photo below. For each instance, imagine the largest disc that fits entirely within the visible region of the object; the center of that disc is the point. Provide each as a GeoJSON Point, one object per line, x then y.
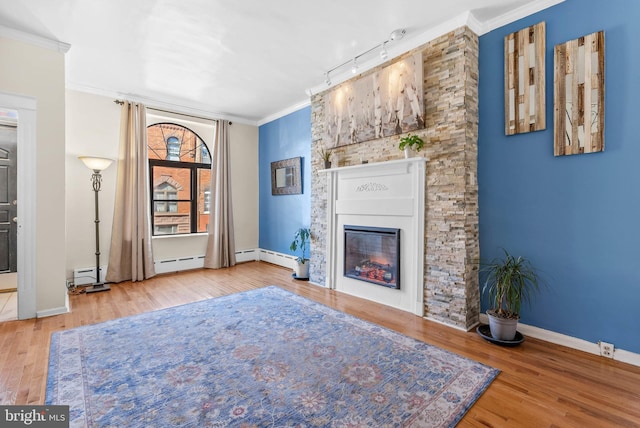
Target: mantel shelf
{"type": "Point", "coordinates": [374, 164]}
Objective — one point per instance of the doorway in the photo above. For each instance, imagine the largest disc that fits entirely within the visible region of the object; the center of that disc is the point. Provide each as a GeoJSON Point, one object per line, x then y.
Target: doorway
{"type": "Point", "coordinates": [8, 216]}
{"type": "Point", "coordinates": [24, 113]}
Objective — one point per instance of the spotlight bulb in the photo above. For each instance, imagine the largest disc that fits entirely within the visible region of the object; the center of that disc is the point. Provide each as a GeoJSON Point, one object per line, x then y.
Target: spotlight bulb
{"type": "Point", "coordinates": [383, 52]}
{"type": "Point", "coordinates": [354, 67]}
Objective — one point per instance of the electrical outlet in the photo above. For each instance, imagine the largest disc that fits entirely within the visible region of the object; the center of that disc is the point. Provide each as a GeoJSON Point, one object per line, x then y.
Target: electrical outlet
{"type": "Point", "coordinates": [606, 349]}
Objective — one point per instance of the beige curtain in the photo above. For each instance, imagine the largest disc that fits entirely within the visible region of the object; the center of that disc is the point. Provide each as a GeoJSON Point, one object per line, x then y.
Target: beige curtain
{"type": "Point", "coordinates": [221, 250]}
{"type": "Point", "coordinates": [130, 256]}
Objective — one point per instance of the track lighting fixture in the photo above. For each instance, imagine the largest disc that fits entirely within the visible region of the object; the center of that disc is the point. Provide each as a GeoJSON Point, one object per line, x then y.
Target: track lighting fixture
{"type": "Point", "coordinates": [393, 37]}
{"type": "Point", "coordinates": [383, 52]}
{"type": "Point", "coordinates": [397, 34]}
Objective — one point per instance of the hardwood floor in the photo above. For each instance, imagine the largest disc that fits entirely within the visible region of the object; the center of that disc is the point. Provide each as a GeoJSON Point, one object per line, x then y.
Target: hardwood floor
{"type": "Point", "coordinates": [541, 384]}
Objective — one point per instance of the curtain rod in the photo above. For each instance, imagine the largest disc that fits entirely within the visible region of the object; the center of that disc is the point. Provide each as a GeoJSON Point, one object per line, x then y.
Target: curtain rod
{"type": "Point", "coordinates": [121, 102]}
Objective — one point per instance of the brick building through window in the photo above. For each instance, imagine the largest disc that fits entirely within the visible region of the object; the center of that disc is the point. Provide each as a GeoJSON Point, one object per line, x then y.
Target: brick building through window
{"type": "Point", "coordinates": [180, 177]}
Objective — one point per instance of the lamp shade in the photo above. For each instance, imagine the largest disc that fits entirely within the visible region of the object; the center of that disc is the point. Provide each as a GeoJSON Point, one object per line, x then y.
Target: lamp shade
{"type": "Point", "coordinates": [96, 164]}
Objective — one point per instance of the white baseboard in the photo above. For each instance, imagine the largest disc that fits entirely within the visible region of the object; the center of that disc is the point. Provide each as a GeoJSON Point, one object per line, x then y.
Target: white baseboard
{"type": "Point", "coordinates": [178, 264]}
{"type": "Point", "coordinates": [253, 254]}
{"type": "Point", "coordinates": [247, 255]}
{"type": "Point", "coordinates": [450, 325]}
{"type": "Point", "coordinates": [83, 276]}
{"type": "Point", "coordinates": [571, 342]}
{"type": "Point", "coordinates": [280, 259]}
{"type": "Point", "coordinates": [56, 311]}
{"type": "Point", "coordinates": [196, 262]}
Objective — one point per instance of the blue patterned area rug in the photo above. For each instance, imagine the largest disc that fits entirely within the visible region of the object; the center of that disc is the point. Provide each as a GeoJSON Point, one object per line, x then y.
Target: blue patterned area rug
{"type": "Point", "coordinates": [262, 358]}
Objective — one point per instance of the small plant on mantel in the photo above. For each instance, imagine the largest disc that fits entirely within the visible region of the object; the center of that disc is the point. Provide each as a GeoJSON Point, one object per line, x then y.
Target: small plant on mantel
{"type": "Point", "coordinates": [411, 142]}
{"type": "Point", "coordinates": [325, 154]}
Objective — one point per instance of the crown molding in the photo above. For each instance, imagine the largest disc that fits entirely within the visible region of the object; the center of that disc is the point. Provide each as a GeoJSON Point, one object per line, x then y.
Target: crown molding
{"type": "Point", "coordinates": [284, 112]}
{"type": "Point", "coordinates": [32, 39]}
{"type": "Point", "coordinates": [171, 105]}
{"type": "Point", "coordinates": [516, 14]}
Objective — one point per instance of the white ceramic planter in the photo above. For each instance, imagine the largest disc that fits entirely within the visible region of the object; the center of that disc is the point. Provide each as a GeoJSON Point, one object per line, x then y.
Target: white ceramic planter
{"type": "Point", "coordinates": [302, 270]}
{"type": "Point", "coordinates": [502, 328]}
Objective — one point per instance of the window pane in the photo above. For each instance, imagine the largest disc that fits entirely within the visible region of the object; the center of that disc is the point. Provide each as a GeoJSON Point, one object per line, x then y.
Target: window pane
{"type": "Point", "coordinates": [204, 198]}
{"type": "Point", "coordinates": [173, 149]}
{"type": "Point", "coordinates": [171, 183]}
{"type": "Point", "coordinates": [173, 218]}
{"type": "Point", "coordinates": [165, 230]}
{"type": "Point", "coordinates": [206, 157]}
{"type": "Point", "coordinates": [173, 142]}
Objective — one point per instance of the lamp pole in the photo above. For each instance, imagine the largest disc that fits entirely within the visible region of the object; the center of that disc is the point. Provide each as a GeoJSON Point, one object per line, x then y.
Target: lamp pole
{"type": "Point", "coordinates": [97, 165]}
{"type": "Point", "coordinates": [96, 179]}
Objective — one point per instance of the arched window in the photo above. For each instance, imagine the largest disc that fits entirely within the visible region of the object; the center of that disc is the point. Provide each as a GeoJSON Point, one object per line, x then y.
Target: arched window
{"type": "Point", "coordinates": [180, 177]}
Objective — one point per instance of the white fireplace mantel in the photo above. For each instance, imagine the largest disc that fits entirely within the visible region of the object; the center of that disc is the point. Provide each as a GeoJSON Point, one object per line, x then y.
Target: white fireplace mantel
{"type": "Point", "coordinates": [383, 194]}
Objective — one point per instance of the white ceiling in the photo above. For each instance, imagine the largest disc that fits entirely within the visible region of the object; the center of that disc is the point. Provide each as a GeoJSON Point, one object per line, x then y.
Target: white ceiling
{"type": "Point", "coordinates": [246, 60]}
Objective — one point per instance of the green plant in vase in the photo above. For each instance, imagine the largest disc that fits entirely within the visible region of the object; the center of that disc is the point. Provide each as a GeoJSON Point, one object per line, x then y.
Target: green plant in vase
{"type": "Point", "coordinates": [300, 241]}
{"type": "Point", "coordinates": [510, 281]}
{"type": "Point", "coordinates": [411, 143]}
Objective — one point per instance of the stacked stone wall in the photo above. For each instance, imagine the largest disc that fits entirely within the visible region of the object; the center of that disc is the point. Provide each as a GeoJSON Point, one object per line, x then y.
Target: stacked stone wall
{"type": "Point", "coordinates": [451, 215]}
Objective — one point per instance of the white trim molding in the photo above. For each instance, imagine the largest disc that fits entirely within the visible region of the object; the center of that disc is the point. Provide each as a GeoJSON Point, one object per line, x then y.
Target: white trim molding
{"type": "Point", "coordinates": [161, 103]}
{"type": "Point", "coordinates": [283, 113]}
{"type": "Point", "coordinates": [388, 194]}
{"type": "Point", "coordinates": [27, 172]}
{"type": "Point", "coordinates": [516, 14]}
{"type": "Point", "coordinates": [571, 342]}
{"type": "Point", "coordinates": [276, 258]}
{"type": "Point", "coordinates": [56, 311]}
{"type": "Point", "coordinates": [197, 262]}
{"type": "Point", "coordinates": [33, 39]}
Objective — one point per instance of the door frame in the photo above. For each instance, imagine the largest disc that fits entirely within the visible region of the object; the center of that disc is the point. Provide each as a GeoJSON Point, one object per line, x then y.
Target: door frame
{"type": "Point", "coordinates": [26, 187]}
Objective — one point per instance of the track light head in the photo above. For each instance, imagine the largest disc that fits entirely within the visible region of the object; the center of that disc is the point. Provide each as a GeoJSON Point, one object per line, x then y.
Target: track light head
{"type": "Point", "coordinates": [328, 80]}
{"type": "Point", "coordinates": [354, 67]}
{"type": "Point", "coordinates": [397, 34]}
{"type": "Point", "coordinates": [383, 52]}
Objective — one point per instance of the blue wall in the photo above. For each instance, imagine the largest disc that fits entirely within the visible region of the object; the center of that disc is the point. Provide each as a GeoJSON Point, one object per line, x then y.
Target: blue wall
{"type": "Point", "coordinates": [281, 215]}
{"type": "Point", "coordinates": [576, 217]}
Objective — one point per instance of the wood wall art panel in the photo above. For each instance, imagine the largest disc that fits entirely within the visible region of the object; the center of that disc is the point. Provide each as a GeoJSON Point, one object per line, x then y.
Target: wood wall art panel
{"type": "Point", "coordinates": [524, 80]}
{"type": "Point", "coordinates": [579, 95]}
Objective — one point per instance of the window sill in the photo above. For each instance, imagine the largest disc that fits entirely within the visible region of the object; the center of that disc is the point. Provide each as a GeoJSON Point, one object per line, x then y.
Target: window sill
{"type": "Point", "coordinates": [182, 235]}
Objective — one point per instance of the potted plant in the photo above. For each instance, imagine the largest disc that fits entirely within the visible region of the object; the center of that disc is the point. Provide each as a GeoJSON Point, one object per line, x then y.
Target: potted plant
{"type": "Point", "coordinates": [300, 240]}
{"type": "Point", "coordinates": [325, 154]}
{"type": "Point", "coordinates": [410, 143]}
{"type": "Point", "coordinates": [509, 282]}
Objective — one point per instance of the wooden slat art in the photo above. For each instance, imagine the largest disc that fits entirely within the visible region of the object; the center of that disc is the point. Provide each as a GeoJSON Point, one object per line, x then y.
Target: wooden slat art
{"type": "Point", "coordinates": [524, 80]}
{"type": "Point", "coordinates": [579, 95]}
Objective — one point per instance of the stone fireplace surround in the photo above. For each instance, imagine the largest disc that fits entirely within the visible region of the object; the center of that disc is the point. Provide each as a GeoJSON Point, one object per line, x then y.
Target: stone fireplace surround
{"type": "Point", "coordinates": [450, 244]}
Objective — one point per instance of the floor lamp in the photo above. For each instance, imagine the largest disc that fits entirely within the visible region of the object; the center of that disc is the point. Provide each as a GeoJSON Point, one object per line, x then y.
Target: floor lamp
{"type": "Point", "coordinates": [97, 165]}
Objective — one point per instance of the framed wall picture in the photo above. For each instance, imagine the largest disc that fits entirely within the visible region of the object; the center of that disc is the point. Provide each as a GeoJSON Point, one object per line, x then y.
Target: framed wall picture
{"type": "Point", "coordinates": [579, 96]}
{"type": "Point", "coordinates": [286, 177]}
{"type": "Point", "coordinates": [524, 80]}
{"type": "Point", "coordinates": [388, 101]}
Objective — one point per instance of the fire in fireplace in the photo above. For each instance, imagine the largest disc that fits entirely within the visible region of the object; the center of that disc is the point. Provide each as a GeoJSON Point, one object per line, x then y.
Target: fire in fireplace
{"type": "Point", "coordinates": [372, 254]}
